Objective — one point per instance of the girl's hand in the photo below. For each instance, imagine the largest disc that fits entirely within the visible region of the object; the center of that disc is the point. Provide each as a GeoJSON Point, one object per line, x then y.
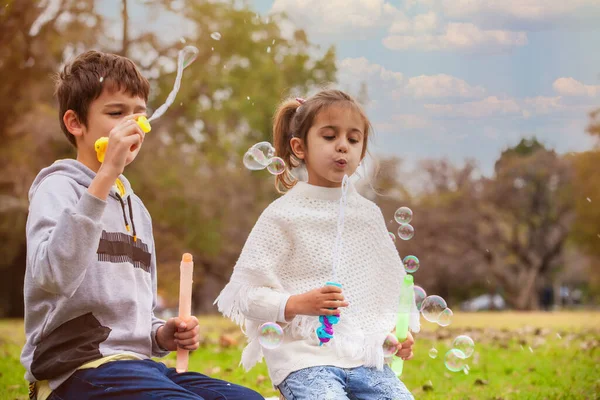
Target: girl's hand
{"type": "Point", "coordinates": [405, 348]}
{"type": "Point", "coordinates": [321, 301]}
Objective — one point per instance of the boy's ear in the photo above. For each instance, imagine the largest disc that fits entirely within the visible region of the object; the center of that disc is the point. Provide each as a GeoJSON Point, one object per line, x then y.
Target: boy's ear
{"type": "Point", "coordinates": [74, 126]}
{"type": "Point", "coordinates": [298, 148]}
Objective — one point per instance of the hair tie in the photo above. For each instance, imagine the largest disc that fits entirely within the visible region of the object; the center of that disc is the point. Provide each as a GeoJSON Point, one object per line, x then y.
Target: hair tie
{"type": "Point", "coordinates": [300, 100]}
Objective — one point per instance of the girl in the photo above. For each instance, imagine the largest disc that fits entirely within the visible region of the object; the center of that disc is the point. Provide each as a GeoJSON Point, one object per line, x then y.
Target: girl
{"type": "Point", "coordinates": [288, 258]}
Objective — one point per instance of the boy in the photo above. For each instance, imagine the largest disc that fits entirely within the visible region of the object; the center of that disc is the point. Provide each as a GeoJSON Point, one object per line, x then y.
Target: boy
{"type": "Point", "coordinates": [90, 282]}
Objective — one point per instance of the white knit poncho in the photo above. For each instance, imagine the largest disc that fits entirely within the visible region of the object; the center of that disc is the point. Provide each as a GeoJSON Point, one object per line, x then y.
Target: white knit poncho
{"type": "Point", "coordinates": [290, 251]}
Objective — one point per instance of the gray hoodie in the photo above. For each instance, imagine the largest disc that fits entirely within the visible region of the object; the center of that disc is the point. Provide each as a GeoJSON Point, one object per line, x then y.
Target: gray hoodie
{"type": "Point", "coordinates": [90, 282]}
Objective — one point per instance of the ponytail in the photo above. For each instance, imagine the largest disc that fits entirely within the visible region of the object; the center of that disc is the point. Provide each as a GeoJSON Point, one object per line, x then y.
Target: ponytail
{"type": "Point", "coordinates": [282, 133]}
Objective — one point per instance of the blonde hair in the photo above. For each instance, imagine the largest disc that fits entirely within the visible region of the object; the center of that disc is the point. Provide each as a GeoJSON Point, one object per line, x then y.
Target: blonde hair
{"type": "Point", "coordinates": [294, 118]}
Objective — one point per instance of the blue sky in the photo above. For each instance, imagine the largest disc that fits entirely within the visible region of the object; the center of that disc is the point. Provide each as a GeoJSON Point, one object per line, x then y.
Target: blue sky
{"type": "Point", "coordinates": [460, 78]}
{"type": "Point", "coordinates": [463, 78]}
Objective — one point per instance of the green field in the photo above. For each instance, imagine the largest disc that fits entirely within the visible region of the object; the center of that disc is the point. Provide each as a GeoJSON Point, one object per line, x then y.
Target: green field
{"type": "Point", "coordinates": [517, 356]}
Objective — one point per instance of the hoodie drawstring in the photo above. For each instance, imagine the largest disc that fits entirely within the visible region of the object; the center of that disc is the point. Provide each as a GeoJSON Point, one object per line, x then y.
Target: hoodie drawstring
{"type": "Point", "coordinates": [130, 215]}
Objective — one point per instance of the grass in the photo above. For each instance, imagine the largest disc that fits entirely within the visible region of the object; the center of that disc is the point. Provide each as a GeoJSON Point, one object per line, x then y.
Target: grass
{"type": "Point", "coordinates": [517, 356]}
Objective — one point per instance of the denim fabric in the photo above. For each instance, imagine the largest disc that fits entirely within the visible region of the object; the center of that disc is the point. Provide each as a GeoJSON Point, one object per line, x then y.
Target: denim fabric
{"type": "Point", "coordinates": [332, 383]}
{"type": "Point", "coordinates": [147, 379]}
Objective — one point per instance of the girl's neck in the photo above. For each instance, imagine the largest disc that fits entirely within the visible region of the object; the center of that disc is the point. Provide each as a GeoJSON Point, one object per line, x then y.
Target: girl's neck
{"type": "Point", "coordinates": [320, 192]}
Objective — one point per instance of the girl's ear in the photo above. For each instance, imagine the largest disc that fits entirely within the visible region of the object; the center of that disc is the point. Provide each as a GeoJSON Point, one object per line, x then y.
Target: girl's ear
{"type": "Point", "coordinates": [298, 148]}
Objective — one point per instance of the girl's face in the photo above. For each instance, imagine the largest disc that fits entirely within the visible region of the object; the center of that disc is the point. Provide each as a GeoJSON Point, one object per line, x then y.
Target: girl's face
{"type": "Point", "coordinates": [334, 145]}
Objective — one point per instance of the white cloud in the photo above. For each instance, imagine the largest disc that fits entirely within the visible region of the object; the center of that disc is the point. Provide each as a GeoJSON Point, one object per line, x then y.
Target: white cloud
{"type": "Point", "coordinates": [458, 36]}
{"type": "Point", "coordinates": [489, 107]}
{"type": "Point", "coordinates": [572, 87]}
{"type": "Point", "coordinates": [517, 10]}
{"type": "Point", "coordinates": [354, 71]}
{"type": "Point", "coordinates": [442, 85]}
{"type": "Point", "coordinates": [543, 105]}
{"type": "Point", "coordinates": [338, 17]}
{"type": "Point", "coordinates": [420, 23]}
{"type": "Point", "coordinates": [412, 121]}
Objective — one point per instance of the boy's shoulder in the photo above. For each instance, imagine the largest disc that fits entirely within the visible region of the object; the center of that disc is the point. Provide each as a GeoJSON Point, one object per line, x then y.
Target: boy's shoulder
{"type": "Point", "coordinates": [62, 179]}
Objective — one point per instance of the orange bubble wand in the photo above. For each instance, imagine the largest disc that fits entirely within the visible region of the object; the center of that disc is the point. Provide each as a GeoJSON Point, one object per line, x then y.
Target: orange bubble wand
{"type": "Point", "coordinates": [185, 305]}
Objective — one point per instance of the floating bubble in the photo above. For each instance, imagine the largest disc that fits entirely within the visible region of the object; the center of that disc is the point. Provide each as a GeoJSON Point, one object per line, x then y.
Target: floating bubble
{"type": "Point", "coordinates": [215, 35]}
{"type": "Point", "coordinates": [269, 49]}
{"type": "Point", "coordinates": [186, 56]}
{"type": "Point", "coordinates": [251, 163]}
{"type": "Point", "coordinates": [445, 317]}
{"type": "Point", "coordinates": [455, 360]}
{"type": "Point", "coordinates": [465, 344]}
{"type": "Point", "coordinates": [190, 53]}
{"type": "Point", "coordinates": [466, 369]}
{"type": "Point", "coordinates": [411, 264]}
{"type": "Point", "coordinates": [276, 166]}
{"type": "Point", "coordinates": [392, 236]}
{"type": "Point", "coordinates": [432, 307]}
{"type": "Point", "coordinates": [263, 152]}
{"type": "Point", "coordinates": [403, 215]}
{"type": "Point", "coordinates": [406, 232]}
{"type": "Point", "coordinates": [390, 345]}
{"type": "Point", "coordinates": [433, 353]}
{"type": "Point", "coordinates": [420, 295]}
{"type": "Point", "coordinates": [270, 335]}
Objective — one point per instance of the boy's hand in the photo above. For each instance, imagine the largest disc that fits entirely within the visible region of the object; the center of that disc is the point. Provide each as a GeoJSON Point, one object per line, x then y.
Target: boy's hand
{"type": "Point", "coordinates": [316, 302]}
{"type": "Point", "coordinates": [404, 349]}
{"type": "Point", "coordinates": [124, 142]}
{"type": "Point", "coordinates": [179, 333]}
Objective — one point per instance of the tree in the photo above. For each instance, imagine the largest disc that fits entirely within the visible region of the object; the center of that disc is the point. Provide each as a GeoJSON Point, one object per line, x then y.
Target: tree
{"type": "Point", "coordinates": [26, 64]}
{"type": "Point", "coordinates": [530, 218]}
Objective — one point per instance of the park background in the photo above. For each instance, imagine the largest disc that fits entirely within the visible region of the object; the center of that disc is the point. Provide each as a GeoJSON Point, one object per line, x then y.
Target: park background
{"type": "Point", "coordinates": [486, 124]}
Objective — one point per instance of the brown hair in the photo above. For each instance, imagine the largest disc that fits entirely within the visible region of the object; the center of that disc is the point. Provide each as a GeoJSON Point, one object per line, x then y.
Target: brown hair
{"type": "Point", "coordinates": [83, 79]}
{"type": "Point", "coordinates": [294, 119]}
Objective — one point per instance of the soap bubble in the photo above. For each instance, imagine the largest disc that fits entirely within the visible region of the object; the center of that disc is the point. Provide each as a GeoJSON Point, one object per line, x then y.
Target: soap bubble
{"type": "Point", "coordinates": [215, 35]}
{"type": "Point", "coordinates": [392, 236]}
{"type": "Point", "coordinates": [263, 152]}
{"type": "Point", "coordinates": [406, 232]}
{"type": "Point", "coordinates": [190, 53]}
{"type": "Point", "coordinates": [390, 345]}
{"type": "Point", "coordinates": [403, 215]}
{"type": "Point", "coordinates": [432, 307]}
{"type": "Point", "coordinates": [411, 264]}
{"type": "Point", "coordinates": [465, 344]}
{"type": "Point", "coordinates": [270, 335]}
{"type": "Point", "coordinates": [455, 360]}
{"type": "Point", "coordinates": [420, 295]}
{"type": "Point", "coordinates": [251, 163]}
{"type": "Point", "coordinates": [445, 317]}
{"type": "Point", "coordinates": [276, 166]}
{"type": "Point", "coordinates": [433, 353]}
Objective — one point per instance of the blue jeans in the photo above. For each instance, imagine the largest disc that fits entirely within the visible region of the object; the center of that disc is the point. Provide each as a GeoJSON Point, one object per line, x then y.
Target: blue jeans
{"type": "Point", "coordinates": [147, 379]}
{"type": "Point", "coordinates": [332, 383]}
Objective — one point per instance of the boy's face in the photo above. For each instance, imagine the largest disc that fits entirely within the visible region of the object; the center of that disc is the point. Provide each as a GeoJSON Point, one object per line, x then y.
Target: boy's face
{"type": "Point", "coordinates": [104, 114]}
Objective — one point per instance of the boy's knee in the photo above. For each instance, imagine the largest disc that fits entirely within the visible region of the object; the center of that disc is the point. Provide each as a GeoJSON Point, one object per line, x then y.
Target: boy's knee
{"type": "Point", "coordinates": [249, 394]}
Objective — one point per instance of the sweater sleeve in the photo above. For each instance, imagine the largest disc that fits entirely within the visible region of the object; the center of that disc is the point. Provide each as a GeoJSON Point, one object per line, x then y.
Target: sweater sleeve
{"type": "Point", "coordinates": [254, 291]}
{"type": "Point", "coordinates": [63, 231]}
